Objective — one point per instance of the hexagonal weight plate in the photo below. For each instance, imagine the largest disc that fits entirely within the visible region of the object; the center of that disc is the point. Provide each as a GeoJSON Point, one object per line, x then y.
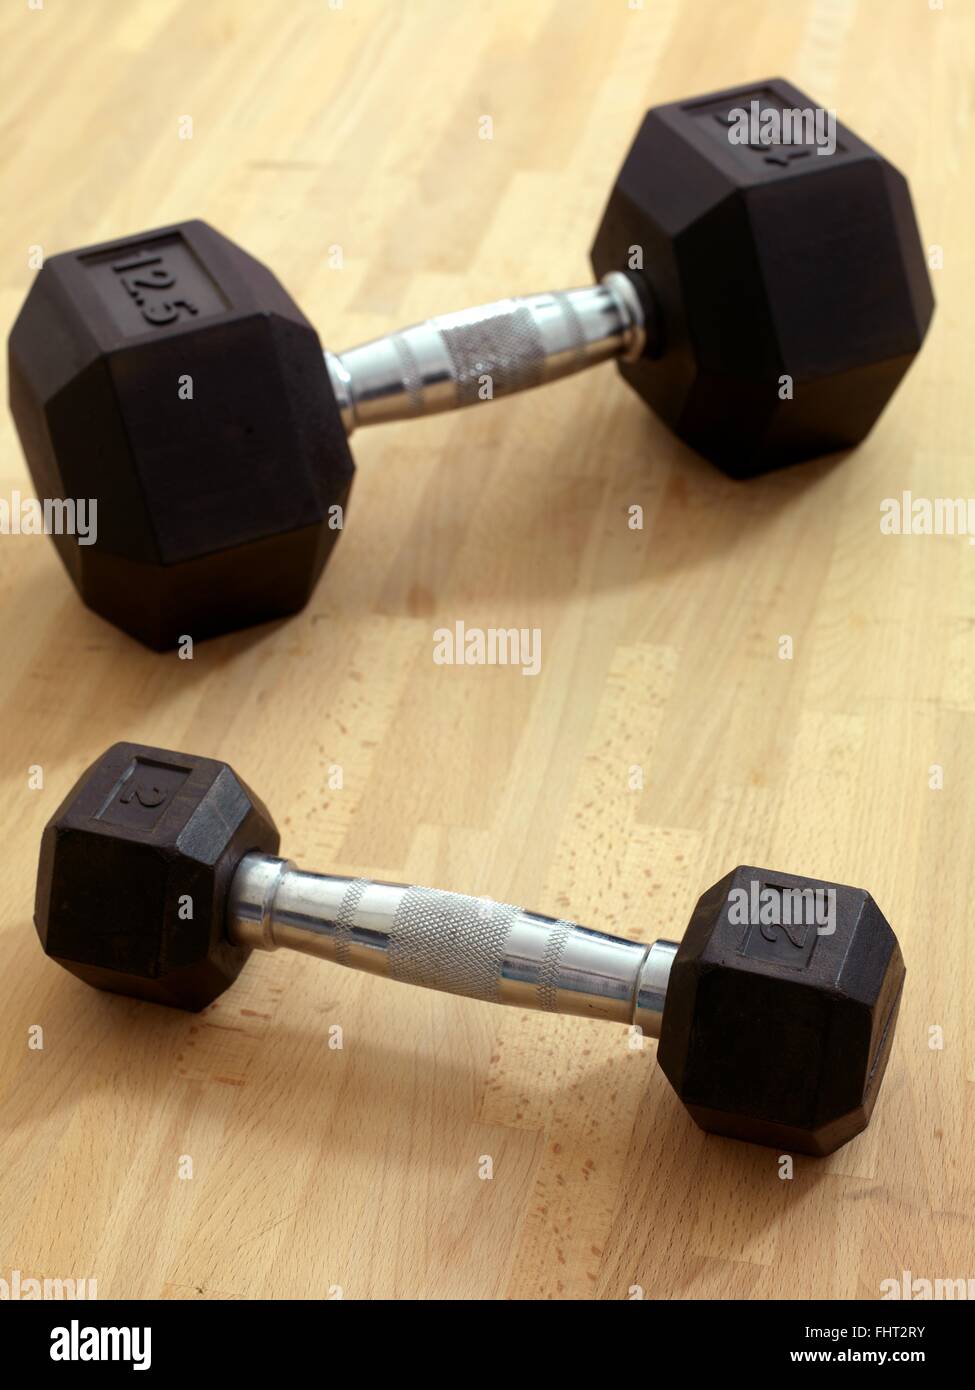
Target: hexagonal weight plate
{"type": "Point", "coordinates": [170, 377]}
{"type": "Point", "coordinates": [765, 263]}
{"type": "Point", "coordinates": [134, 871]}
{"type": "Point", "coordinates": [780, 1011]}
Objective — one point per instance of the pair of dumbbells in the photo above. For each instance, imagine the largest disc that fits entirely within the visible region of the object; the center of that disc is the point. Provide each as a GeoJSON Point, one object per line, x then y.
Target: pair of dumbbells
{"type": "Point", "coordinates": [159, 874]}
{"type": "Point", "coordinates": [764, 301]}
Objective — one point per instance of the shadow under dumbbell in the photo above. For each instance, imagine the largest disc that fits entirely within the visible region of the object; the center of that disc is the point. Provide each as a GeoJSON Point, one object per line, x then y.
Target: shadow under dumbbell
{"type": "Point", "coordinates": [130, 1057]}
{"type": "Point", "coordinates": [502, 550]}
{"type": "Point", "coordinates": [568, 532]}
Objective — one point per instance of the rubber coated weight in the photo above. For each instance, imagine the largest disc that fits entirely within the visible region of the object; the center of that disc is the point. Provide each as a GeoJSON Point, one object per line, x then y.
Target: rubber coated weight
{"type": "Point", "coordinates": [789, 287]}
{"type": "Point", "coordinates": [134, 870]}
{"type": "Point", "coordinates": [171, 377]}
{"type": "Point", "coordinates": [777, 1031]}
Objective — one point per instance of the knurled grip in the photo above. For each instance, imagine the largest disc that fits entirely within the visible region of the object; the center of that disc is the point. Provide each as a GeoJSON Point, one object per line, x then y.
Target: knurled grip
{"type": "Point", "coordinates": [450, 941]}
{"type": "Point", "coordinates": [345, 919]}
{"type": "Point", "coordinates": [500, 346]}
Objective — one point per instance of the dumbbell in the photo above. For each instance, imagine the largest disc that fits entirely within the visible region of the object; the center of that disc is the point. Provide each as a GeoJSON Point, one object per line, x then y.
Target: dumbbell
{"type": "Point", "coordinates": [159, 874]}
{"type": "Point", "coordinates": [764, 300]}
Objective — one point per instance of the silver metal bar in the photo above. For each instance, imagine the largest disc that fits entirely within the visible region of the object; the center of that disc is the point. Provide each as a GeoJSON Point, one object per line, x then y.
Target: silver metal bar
{"type": "Point", "coordinates": [451, 942]}
{"type": "Point", "coordinates": [492, 350]}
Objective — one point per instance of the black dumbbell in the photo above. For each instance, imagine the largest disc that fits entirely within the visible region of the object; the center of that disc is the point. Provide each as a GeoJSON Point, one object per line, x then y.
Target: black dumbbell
{"type": "Point", "coordinates": [159, 874]}
{"type": "Point", "coordinates": [764, 300]}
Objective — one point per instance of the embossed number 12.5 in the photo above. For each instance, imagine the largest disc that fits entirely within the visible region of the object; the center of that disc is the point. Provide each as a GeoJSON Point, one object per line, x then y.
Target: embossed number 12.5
{"type": "Point", "coordinates": [145, 273]}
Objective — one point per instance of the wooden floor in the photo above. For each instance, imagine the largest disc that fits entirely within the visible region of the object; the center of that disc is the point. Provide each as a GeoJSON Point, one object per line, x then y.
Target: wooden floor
{"type": "Point", "coordinates": [357, 1170]}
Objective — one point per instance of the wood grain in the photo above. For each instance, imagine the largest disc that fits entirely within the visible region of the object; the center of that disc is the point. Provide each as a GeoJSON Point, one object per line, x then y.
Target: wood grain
{"type": "Point", "coordinates": [357, 1170]}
